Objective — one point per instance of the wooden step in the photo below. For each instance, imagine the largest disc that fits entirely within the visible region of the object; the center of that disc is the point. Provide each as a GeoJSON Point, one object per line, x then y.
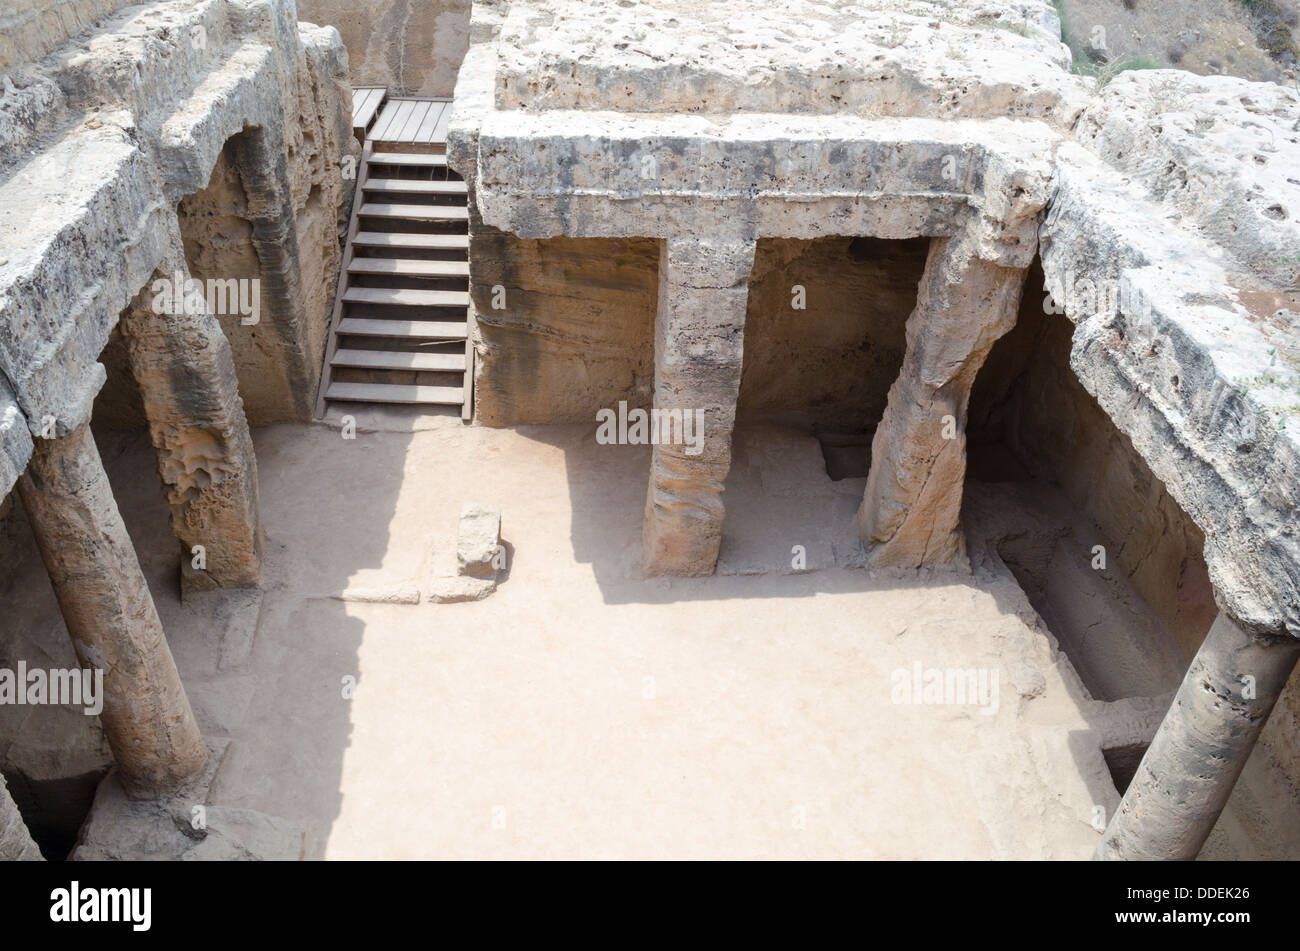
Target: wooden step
{"type": "Point", "coordinates": [419, 159]}
{"type": "Point", "coordinates": [408, 267]}
{"type": "Point", "coordinates": [366, 101]}
{"type": "Point", "coordinates": [423, 242]}
{"type": "Point", "coordinates": [389, 360]}
{"type": "Point", "coordinates": [393, 393]}
{"type": "Point", "coordinates": [413, 187]}
{"type": "Point", "coordinates": [409, 329]}
{"type": "Point", "coordinates": [416, 212]}
{"type": "Point", "coordinates": [405, 297]}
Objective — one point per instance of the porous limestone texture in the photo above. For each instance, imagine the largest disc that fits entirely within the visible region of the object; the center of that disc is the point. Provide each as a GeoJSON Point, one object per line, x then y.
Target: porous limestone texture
{"type": "Point", "coordinates": [16, 843]}
{"type": "Point", "coordinates": [478, 541]}
{"type": "Point", "coordinates": [1169, 242]}
{"type": "Point", "coordinates": [1246, 38]}
{"type": "Point", "coordinates": [205, 452]}
{"type": "Point", "coordinates": [412, 47]}
{"type": "Point", "coordinates": [873, 57]}
{"type": "Point", "coordinates": [15, 439]}
{"type": "Point", "coordinates": [31, 28]}
{"type": "Point", "coordinates": [108, 132]}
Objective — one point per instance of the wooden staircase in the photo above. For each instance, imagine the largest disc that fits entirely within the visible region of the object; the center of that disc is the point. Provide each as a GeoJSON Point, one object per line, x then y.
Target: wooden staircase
{"type": "Point", "coordinates": [400, 333]}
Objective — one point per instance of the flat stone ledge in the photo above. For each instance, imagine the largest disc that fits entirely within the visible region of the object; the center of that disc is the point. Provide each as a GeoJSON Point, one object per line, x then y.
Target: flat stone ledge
{"type": "Point", "coordinates": [950, 58]}
{"type": "Point", "coordinates": [457, 590]}
{"type": "Point", "coordinates": [57, 303]}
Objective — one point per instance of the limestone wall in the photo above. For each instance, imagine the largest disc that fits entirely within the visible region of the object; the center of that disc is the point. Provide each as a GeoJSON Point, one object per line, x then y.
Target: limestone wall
{"type": "Point", "coordinates": [218, 239]}
{"type": "Point", "coordinates": [31, 28]}
{"type": "Point", "coordinates": [1029, 400]}
{"type": "Point", "coordinates": [217, 224]}
{"type": "Point", "coordinates": [413, 47]}
{"type": "Point", "coordinates": [575, 333]}
{"type": "Point", "coordinates": [15, 841]}
{"type": "Point", "coordinates": [1281, 737]}
{"type": "Point", "coordinates": [829, 365]}
{"type": "Point", "coordinates": [119, 405]}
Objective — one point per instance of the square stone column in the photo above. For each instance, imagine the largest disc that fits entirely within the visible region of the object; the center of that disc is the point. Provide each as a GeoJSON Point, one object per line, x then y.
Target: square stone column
{"type": "Point", "coordinates": [182, 363]}
{"type": "Point", "coordinates": [699, 346]}
{"type": "Point", "coordinates": [110, 615]}
{"type": "Point", "coordinates": [912, 504]}
{"type": "Point", "coordinates": [290, 337]}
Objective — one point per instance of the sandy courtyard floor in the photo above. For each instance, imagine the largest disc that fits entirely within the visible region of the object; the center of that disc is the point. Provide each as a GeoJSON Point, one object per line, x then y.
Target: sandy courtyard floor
{"type": "Point", "coordinates": [582, 712]}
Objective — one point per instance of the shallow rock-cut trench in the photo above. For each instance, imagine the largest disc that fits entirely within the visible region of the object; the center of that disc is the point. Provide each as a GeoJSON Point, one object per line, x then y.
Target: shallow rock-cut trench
{"type": "Point", "coordinates": [1057, 500]}
{"type": "Point", "coordinates": [1112, 637]}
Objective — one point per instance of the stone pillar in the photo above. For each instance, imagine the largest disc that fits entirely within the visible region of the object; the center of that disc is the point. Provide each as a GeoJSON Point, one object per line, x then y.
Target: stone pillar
{"type": "Point", "coordinates": [1188, 772]}
{"type": "Point", "coordinates": [264, 175]}
{"type": "Point", "coordinates": [183, 365]}
{"type": "Point", "coordinates": [16, 843]}
{"type": "Point", "coordinates": [110, 614]}
{"type": "Point", "coordinates": [699, 345]}
{"type": "Point", "coordinates": [912, 504]}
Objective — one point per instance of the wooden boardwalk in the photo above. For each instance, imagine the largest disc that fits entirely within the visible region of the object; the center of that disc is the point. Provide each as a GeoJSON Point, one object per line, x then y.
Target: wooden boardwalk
{"type": "Point", "coordinates": [412, 121]}
{"type": "Point", "coordinates": [366, 101]}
